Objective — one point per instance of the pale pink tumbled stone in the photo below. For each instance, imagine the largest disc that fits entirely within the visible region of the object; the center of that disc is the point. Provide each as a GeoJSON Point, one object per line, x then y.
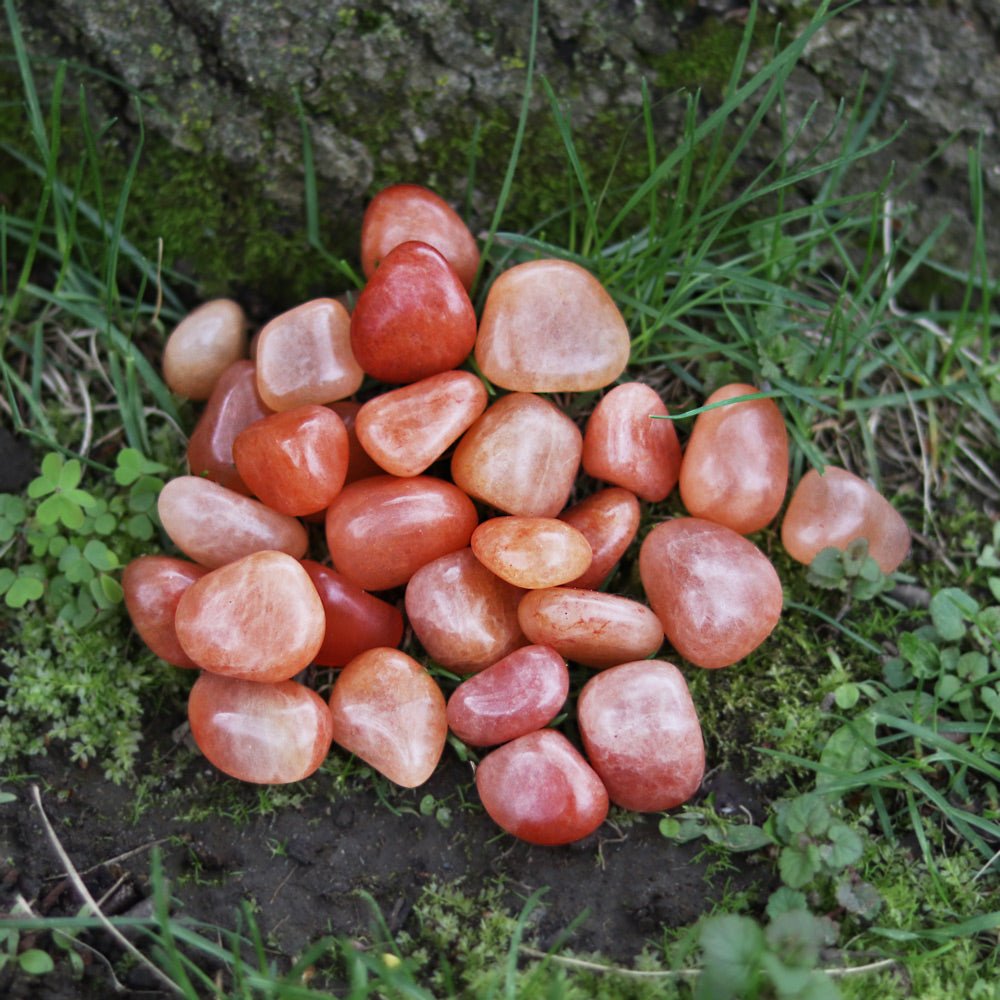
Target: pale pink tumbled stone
{"type": "Point", "coordinates": [304, 356]}
{"type": "Point", "coordinates": [202, 346]}
{"type": "Point", "coordinates": [549, 326]}
{"type": "Point", "coordinates": [609, 520]}
{"type": "Point", "coordinates": [589, 627]}
{"type": "Point", "coordinates": [531, 552]}
{"type": "Point", "coordinates": [214, 526]}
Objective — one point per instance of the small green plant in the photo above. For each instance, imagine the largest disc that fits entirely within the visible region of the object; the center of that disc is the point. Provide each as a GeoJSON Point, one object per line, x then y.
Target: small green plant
{"type": "Point", "coordinates": [32, 961]}
{"type": "Point", "coordinates": [851, 570]}
{"type": "Point", "coordinates": [704, 821]}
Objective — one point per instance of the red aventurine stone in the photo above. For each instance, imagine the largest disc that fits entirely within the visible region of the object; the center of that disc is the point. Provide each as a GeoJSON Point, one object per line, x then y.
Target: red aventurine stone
{"type": "Point", "coordinates": [531, 552]}
{"type": "Point", "coordinates": [464, 616]}
{"type": "Point", "coordinates": [258, 619]}
{"type": "Point", "coordinates": [360, 465]}
{"type": "Point", "coordinates": [407, 429]}
{"type": "Point", "coordinates": [295, 461]}
{"type": "Point", "coordinates": [735, 468]}
{"type": "Point", "coordinates": [413, 318]}
{"type": "Point", "coordinates": [153, 587]}
{"type": "Point", "coordinates": [390, 712]}
{"type": "Point", "coordinates": [837, 507]}
{"type": "Point", "coordinates": [609, 520]}
{"type": "Point", "coordinates": [623, 443]}
{"type": "Point", "coordinates": [521, 456]}
{"type": "Point", "coordinates": [355, 620]}
{"type": "Point", "coordinates": [215, 526]}
{"type": "Point", "coordinates": [202, 346]}
{"type": "Point", "coordinates": [515, 696]}
{"type": "Point", "coordinates": [549, 326]}
{"type": "Point", "coordinates": [304, 356]}
{"type": "Point", "coordinates": [642, 736]}
{"type": "Point", "coordinates": [716, 593]}
{"type": "Point", "coordinates": [233, 405]}
{"type": "Point", "coordinates": [265, 733]}
{"type": "Point", "coordinates": [589, 627]}
{"type": "Point", "coordinates": [407, 212]}
{"type": "Point", "coordinates": [540, 789]}
{"type": "Point", "coordinates": [380, 531]}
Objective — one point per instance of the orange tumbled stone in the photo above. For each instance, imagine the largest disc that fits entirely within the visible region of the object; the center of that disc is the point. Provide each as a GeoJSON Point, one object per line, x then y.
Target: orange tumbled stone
{"type": "Point", "coordinates": [390, 712]}
{"type": "Point", "coordinates": [540, 789]}
{"type": "Point", "coordinates": [464, 616]}
{"type": "Point", "coordinates": [380, 531]}
{"type": "Point", "coordinates": [295, 461]}
{"type": "Point", "coordinates": [521, 456]}
{"type": "Point", "coordinates": [407, 429]}
{"type": "Point", "coordinates": [626, 444]}
{"type": "Point", "coordinates": [214, 526]}
{"type": "Point", "coordinates": [589, 627]}
{"type": "Point", "coordinates": [153, 587]}
{"type": "Point", "coordinates": [609, 520]}
{"type": "Point", "coordinates": [549, 326]}
{"type": "Point", "coordinates": [257, 619]}
{"type": "Point", "coordinates": [234, 404]}
{"type": "Point", "coordinates": [407, 212]}
{"type": "Point", "coordinates": [531, 552]}
{"type": "Point", "coordinates": [413, 318]}
{"type": "Point", "coordinates": [717, 594]}
{"type": "Point", "coordinates": [269, 734]}
{"type": "Point", "coordinates": [360, 465]}
{"type": "Point", "coordinates": [304, 356]}
{"type": "Point", "coordinates": [837, 507]}
{"type": "Point", "coordinates": [735, 468]}
{"type": "Point", "coordinates": [642, 736]}
{"type": "Point", "coordinates": [515, 696]}
{"type": "Point", "coordinates": [202, 346]}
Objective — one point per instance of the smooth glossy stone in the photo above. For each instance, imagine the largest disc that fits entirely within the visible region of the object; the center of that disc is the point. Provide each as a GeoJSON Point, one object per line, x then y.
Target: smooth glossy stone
{"type": "Point", "coordinates": [624, 443]}
{"type": "Point", "coordinates": [380, 531]}
{"type": "Point", "coordinates": [407, 212]}
{"type": "Point", "coordinates": [355, 619]}
{"type": "Point", "coordinates": [464, 616]}
{"type": "Point", "coordinates": [589, 627]}
{"type": "Point", "coordinates": [269, 734]}
{"type": "Point", "coordinates": [413, 318]}
{"type": "Point", "coordinates": [304, 356]}
{"type": "Point", "coordinates": [521, 456]}
{"type": "Point", "coordinates": [540, 789]}
{"type": "Point", "coordinates": [717, 594]}
{"type": "Point", "coordinates": [234, 404]}
{"type": "Point", "coordinates": [837, 507]}
{"type": "Point", "coordinates": [549, 326]}
{"type": "Point", "coordinates": [360, 465]}
{"type": "Point", "coordinates": [257, 619]}
{"type": "Point", "coordinates": [153, 587]}
{"type": "Point", "coordinates": [214, 526]}
{"type": "Point", "coordinates": [409, 428]}
{"type": "Point", "coordinates": [609, 520]}
{"type": "Point", "coordinates": [735, 468]}
{"type": "Point", "coordinates": [389, 711]}
{"type": "Point", "coordinates": [295, 461]}
{"type": "Point", "coordinates": [642, 736]}
{"type": "Point", "coordinates": [531, 552]}
{"type": "Point", "coordinates": [515, 696]}
{"type": "Point", "coordinates": [202, 346]}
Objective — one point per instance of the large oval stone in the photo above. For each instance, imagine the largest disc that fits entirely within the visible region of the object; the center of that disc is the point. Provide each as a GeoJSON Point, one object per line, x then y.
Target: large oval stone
{"type": "Point", "coordinates": [735, 468]}
{"type": "Point", "coordinates": [215, 526]}
{"type": "Point", "coordinates": [269, 734]}
{"type": "Point", "coordinates": [549, 326]}
{"type": "Point", "coordinates": [380, 531]}
{"type": "Point", "coordinates": [838, 507]}
{"type": "Point", "coordinates": [609, 520]}
{"type": "Point", "coordinates": [589, 627]}
{"type": "Point", "coordinates": [202, 346]}
{"type": "Point", "coordinates": [515, 696]}
{"type": "Point", "coordinates": [464, 616]}
{"type": "Point", "coordinates": [641, 735]}
{"type": "Point", "coordinates": [540, 789]}
{"type": "Point", "coordinates": [717, 594]}
{"type": "Point", "coordinates": [521, 456]}
{"type": "Point", "coordinates": [257, 619]}
{"type": "Point", "coordinates": [390, 712]}
{"type": "Point", "coordinates": [531, 552]}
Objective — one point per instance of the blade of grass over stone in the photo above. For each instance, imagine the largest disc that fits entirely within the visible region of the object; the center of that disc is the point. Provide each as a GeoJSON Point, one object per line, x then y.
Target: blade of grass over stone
{"type": "Point", "coordinates": [745, 397]}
